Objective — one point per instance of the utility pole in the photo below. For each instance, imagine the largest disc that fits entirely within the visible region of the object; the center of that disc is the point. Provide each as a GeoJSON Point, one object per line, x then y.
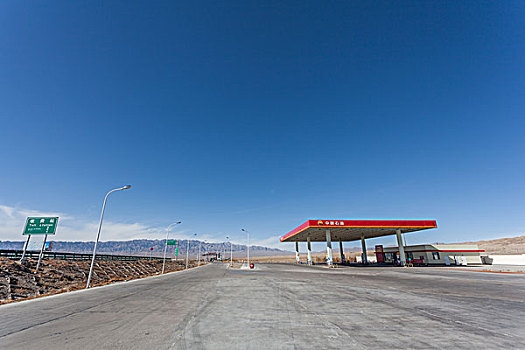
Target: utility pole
{"type": "Point", "coordinates": [99, 229]}
{"type": "Point", "coordinates": [200, 245]}
{"type": "Point", "coordinates": [166, 244]}
{"type": "Point", "coordinates": [247, 246]}
{"type": "Point", "coordinates": [188, 251]}
{"type": "Point", "coordinates": [231, 252]}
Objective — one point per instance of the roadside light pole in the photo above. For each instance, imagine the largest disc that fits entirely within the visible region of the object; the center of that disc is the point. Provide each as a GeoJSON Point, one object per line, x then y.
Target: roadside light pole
{"type": "Point", "coordinates": [247, 246]}
{"type": "Point", "coordinates": [231, 252]}
{"type": "Point", "coordinates": [188, 251]}
{"type": "Point", "coordinates": [200, 246]}
{"type": "Point", "coordinates": [166, 245]}
{"type": "Point", "coordinates": [205, 253]}
{"type": "Point", "coordinates": [99, 228]}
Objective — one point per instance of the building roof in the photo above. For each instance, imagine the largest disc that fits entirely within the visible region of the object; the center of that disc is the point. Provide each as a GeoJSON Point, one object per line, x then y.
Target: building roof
{"type": "Point", "coordinates": [352, 230]}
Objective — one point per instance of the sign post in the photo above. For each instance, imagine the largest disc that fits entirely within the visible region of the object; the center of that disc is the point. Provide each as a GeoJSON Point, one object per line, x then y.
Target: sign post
{"type": "Point", "coordinates": [174, 243]}
{"type": "Point", "coordinates": [25, 248]}
{"type": "Point", "coordinates": [41, 253]}
{"type": "Point", "coordinates": [39, 226]}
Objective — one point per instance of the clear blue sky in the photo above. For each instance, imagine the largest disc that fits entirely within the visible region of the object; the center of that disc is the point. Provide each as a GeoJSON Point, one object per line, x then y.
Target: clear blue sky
{"type": "Point", "coordinates": [263, 114]}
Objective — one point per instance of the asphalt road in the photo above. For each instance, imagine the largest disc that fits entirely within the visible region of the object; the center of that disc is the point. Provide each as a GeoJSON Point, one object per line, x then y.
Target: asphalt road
{"type": "Point", "coordinates": [279, 307]}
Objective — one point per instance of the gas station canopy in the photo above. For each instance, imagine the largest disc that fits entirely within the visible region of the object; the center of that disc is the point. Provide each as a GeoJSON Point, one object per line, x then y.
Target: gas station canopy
{"type": "Point", "coordinates": [353, 230]}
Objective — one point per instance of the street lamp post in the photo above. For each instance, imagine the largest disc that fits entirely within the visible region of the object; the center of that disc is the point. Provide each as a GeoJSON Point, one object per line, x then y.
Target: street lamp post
{"type": "Point", "coordinates": [231, 252]}
{"type": "Point", "coordinates": [99, 228]}
{"type": "Point", "coordinates": [200, 245]}
{"type": "Point", "coordinates": [247, 246]}
{"type": "Point", "coordinates": [188, 251]}
{"type": "Point", "coordinates": [166, 245]}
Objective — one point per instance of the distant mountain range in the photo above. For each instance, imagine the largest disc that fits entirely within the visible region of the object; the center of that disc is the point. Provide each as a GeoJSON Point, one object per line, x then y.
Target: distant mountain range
{"type": "Point", "coordinates": [143, 247]}
{"type": "Point", "coordinates": [514, 245]}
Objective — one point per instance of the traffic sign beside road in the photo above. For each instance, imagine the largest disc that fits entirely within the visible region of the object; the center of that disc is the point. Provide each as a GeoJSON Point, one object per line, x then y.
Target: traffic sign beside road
{"type": "Point", "coordinates": [40, 226]}
{"type": "Point", "coordinates": [172, 242]}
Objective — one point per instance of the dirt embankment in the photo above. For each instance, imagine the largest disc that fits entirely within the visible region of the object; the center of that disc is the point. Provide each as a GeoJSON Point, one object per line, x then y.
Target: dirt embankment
{"type": "Point", "coordinates": [19, 281]}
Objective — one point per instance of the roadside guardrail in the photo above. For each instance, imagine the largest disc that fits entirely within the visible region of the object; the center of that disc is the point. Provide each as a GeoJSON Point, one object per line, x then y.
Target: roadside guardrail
{"type": "Point", "coordinates": [17, 254]}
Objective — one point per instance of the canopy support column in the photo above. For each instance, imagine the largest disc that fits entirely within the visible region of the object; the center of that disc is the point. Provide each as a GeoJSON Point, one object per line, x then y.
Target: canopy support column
{"type": "Point", "coordinates": [363, 247]}
{"type": "Point", "coordinates": [329, 260]}
{"type": "Point", "coordinates": [402, 256]}
{"type": "Point", "coordinates": [309, 250]}
{"type": "Point", "coordinates": [342, 252]}
{"type": "Point", "coordinates": [297, 252]}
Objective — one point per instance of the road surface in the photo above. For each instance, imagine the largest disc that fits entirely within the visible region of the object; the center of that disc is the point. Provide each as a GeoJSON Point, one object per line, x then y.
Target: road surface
{"type": "Point", "coordinates": [279, 307]}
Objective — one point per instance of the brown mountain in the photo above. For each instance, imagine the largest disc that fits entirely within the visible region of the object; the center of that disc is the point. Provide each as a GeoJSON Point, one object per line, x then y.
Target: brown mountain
{"type": "Point", "coordinates": [513, 245]}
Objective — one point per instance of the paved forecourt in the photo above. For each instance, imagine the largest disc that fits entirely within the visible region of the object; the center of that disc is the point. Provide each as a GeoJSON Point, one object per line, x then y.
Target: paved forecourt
{"type": "Point", "coordinates": [279, 306]}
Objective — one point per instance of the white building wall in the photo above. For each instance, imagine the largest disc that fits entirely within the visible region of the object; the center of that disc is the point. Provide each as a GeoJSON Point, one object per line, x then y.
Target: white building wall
{"type": "Point", "coordinates": [505, 259]}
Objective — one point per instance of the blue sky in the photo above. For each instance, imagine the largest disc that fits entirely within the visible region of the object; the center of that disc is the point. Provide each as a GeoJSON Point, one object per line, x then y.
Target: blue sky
{"type": "Point", "coordinates": [263, 114]}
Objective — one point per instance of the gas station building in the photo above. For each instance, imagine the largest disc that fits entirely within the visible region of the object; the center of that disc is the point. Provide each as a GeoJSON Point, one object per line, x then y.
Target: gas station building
{"type": "Point", "coordinates": [344, 230]}
{"type": "Point", "coordinates": [433, 254]}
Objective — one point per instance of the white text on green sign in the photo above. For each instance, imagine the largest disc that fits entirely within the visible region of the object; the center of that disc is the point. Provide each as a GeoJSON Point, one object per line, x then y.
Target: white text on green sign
{"type": "Point", "coordinates": [40, 226]}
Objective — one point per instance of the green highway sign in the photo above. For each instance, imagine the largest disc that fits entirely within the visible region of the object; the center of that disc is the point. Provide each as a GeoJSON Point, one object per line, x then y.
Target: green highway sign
{"type": "Point", "coordinates": [176, 244]}
{"type": "Point", "coordinates": [40, 226]}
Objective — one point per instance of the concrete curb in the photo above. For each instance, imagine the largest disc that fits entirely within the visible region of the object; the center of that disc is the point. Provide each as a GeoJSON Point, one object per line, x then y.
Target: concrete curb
{"type": "Point", "coordinates": [36, 298]}
{"type": "Point", "coordinates": [486, 271]}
